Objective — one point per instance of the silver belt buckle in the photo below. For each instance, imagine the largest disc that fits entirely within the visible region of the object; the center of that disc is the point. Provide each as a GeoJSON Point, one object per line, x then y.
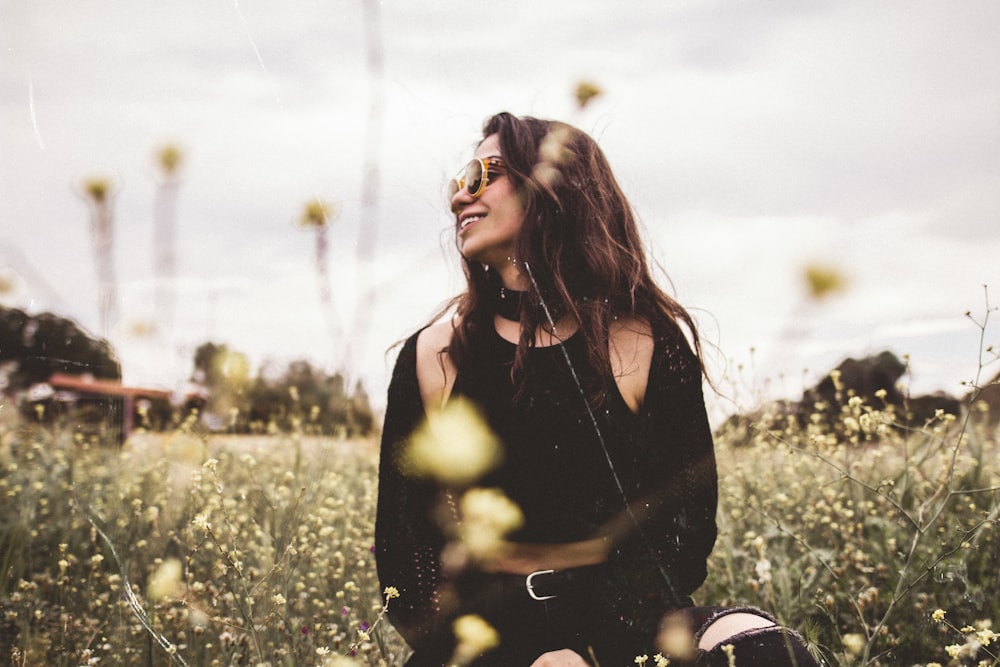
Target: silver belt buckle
{"type": "Point", "coordinates": [531, 588]}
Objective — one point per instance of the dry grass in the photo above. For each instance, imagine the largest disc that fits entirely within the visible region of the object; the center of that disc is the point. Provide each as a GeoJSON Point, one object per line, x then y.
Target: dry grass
{"type": "Point", "coordinates": [257, 550]}
{"type": "Point", "coordinates": [238, 551]}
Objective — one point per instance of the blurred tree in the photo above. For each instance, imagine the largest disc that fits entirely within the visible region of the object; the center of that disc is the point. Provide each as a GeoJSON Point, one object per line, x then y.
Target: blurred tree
{"type": "Point", "coordinates": [362, 417]}
{"type": "Point", "coordinates": [32, 348]}
{"type": "Point", "coordinates": [302, 397]}
{"type": "Point", "coordinates": [41, 345]}
{"type": "Point", "coordinates": [297, 397]}
{"type": "Point", "coordinates": [224, 375]}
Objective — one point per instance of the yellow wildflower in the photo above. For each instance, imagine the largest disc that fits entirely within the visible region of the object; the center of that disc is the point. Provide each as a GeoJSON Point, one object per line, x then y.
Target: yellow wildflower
{"type": "Point", "coordinates": [165, 581]}
{"type": "Point", "coordinates": [454, 445]}
{"type": "Point", "coordinates": [475, 636]}
{"type": "Point", "coordinates": [854, 643]}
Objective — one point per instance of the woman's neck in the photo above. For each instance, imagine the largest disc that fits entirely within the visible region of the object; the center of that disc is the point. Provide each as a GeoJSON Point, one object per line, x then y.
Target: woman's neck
{"type": "Point", "coordinates": [506, 320]}
{"type": "Point", "coordinates": [507, 303]}
{"type": "Point", "coordinates": [511, 276]}
{"type": "Point", "coordinates": [545, 335]}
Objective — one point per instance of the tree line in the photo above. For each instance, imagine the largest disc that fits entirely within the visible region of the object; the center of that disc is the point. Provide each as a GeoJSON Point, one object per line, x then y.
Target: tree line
{"type": "Point", "coordinates": [224, 396]}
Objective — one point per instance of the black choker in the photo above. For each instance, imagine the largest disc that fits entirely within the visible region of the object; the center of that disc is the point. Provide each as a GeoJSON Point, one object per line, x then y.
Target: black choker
{"type": "Point", "coordinates": [507, 303]}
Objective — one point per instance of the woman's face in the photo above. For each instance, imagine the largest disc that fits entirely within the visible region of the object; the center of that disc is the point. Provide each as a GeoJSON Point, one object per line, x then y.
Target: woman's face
{"type": "Point", "coordinates": [488, 226]}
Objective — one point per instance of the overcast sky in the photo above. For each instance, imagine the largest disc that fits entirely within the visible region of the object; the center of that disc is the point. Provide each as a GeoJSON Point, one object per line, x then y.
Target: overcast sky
{"type": "Point", "coordinates": [753, 138]}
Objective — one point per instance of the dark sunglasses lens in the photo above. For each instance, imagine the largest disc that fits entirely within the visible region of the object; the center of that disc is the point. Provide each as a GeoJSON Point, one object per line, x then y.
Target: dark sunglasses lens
{"type": "Point", "coordinates": [474, 177]}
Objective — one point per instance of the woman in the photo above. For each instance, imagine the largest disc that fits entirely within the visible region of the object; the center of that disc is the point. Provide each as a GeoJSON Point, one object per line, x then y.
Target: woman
{"type": "Point", "coordinates": [582, 368]}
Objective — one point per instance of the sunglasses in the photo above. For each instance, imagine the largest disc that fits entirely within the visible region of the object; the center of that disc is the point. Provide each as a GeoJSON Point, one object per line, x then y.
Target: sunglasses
{"type": "Point", "coordinates": [476, 176]}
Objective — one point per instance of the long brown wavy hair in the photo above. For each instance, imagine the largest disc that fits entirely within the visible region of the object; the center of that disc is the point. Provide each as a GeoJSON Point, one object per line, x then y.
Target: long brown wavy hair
{"type": "Point", "coordinates": [580, 242]}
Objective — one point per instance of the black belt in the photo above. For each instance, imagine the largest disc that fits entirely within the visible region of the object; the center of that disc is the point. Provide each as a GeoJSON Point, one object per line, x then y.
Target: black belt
{"type": "Point", "coordinates": [548, 584]}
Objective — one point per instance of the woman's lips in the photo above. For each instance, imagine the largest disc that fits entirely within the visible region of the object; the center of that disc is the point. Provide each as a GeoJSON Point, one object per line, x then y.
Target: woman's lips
{"type": "Point", "coordinates": [469, 221]}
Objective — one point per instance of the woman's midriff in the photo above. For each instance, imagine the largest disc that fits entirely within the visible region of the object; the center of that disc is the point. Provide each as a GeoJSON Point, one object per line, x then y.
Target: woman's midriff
{"type": "Point", "coordinates": [525, 558]}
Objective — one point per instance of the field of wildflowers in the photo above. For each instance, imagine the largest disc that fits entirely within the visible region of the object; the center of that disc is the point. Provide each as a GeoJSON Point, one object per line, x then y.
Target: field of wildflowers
{"type": "Point", "coordinates": [187, 550]}
{"type": "Point", "coordinates": [878, 542]}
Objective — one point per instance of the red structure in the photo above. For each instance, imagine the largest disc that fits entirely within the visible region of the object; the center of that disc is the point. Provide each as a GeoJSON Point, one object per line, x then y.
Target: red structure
{"type": "Point", "coordinates": [88, 385]}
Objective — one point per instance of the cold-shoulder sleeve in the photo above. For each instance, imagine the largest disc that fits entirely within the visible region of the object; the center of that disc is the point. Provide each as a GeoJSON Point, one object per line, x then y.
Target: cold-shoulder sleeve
{"type": "Point", "coordinates": [673, 492]}
{"type": "Point", "coordinates": [407, 542]}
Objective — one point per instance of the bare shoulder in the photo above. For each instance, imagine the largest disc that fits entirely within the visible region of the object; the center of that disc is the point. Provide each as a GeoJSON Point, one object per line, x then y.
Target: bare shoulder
{"type": "Point", "coordinates": [630, 346]}
{"type": "Point", "coordinates": [435, 371]}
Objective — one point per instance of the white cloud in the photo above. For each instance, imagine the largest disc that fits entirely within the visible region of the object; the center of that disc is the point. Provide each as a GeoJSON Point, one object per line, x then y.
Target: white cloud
{"type": "Point", "coordinates": [753, 139]}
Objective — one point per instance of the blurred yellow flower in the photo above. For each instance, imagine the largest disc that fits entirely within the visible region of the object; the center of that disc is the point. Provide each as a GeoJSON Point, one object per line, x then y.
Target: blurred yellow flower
{"type": "Point", "coordinates": [475, 636]}
{"type": "Point", "coordinates": [554, 147]}
{"type": "Point", "coordinates": [454, 445]}
{"type": "Point", "coordinates": [487, 516]}
{"type": "Point", "coordinates": [823, 281]}
{"type": "Point", "coordinates": [317, 214]}
{"type": "Point", "coordinates": [165, 582]}
{"type": "Point", "coordinates": [197, 618]}
{"type": "Point", "coordinates": [170, 157]}
{"type": "Point", "coordinates": [184, 449]}
{"type": "Point", "coordinates": [763, 570]}
{"type": "Point", "coordinates": [493, 507]}
{"type": "Point", "coordinates": [854, 643]}
{"type": "Point", "coordinates": [676, 639]}
{"type": "Point", "coordinates": [9, 281]}
{"type": "Point", "coordinates": [585, 92]}
{"type": "Point", "coordinates": [730, 652]}
{"type": "Point", "coordinates": [938, 615]}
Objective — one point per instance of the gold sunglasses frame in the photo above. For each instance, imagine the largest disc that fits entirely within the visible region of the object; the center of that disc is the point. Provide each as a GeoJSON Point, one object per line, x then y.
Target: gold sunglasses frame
{"type": "Point", "coordinates": [488, 165]}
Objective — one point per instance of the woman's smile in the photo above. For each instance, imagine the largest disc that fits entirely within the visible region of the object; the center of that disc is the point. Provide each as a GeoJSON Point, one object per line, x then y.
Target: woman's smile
{"type": "Point", "coordinates": [467, 220]}
{"type": "Point", "coordinates": [489, 224]}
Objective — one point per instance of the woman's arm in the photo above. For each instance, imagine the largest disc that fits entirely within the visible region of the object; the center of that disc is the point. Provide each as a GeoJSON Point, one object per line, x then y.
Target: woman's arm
{"type": "Point", "coordinates": [407, 543]}
{"type": "Point", "coordinates": [673, 488]}
{"type": "Point", "coordinates": [435, 370]}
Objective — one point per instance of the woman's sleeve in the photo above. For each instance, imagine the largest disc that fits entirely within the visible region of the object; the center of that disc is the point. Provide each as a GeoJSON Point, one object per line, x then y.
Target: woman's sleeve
{"type": "Point", "coordinates": [407, 542]}
{"type": "Point", "coordinates": [674, 491]}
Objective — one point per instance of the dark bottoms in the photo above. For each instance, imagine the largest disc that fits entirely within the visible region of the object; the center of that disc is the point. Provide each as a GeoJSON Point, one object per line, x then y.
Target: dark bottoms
{"type": "Point", "coordinates": [773, 645]}
{"type": "Point", "coordinates": [529, 627]}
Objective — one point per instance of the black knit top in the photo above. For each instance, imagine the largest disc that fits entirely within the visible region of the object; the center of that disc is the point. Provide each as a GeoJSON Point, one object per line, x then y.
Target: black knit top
{"type": "Point", "coordinates": [556, 470]}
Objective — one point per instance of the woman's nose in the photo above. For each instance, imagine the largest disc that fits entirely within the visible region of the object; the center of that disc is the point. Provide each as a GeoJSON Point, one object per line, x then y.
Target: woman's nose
{"type": "Point", "coordinates": [459, 199]}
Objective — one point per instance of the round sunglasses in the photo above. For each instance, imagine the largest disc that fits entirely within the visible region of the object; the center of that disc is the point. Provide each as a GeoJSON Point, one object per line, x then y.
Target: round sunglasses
{"type": "Point", "coordinates": [476, 176]}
